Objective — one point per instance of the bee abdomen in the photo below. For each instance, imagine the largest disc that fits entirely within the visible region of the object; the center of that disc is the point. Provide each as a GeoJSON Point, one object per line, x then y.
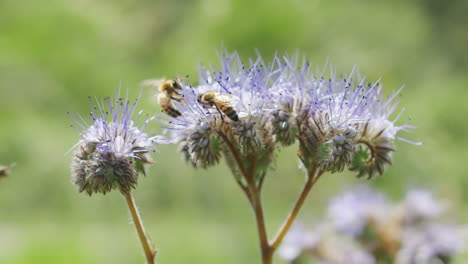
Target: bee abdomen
{"type": "Point", "coordinates": [171, 111]}
{"type": "Point", "coordinates": [231, 113]}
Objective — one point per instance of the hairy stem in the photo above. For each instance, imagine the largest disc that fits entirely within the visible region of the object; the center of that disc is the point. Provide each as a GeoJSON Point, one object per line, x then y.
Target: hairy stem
{"type": "Point", "coordinates": [252, 190]}
{"type": "Point", "coordinates": [252, 193]}
{"type": "Point", "coordinates": [261, 227]}
{"type": "Point", "coordinates": [234, 153]}
{"type": "Point", "coordinates": [256, 203]}
{"type": "Point", "coordinates": [149, 251]}
{"type": "Point", "coordinates": [312, 177]}
{"type": "Point", "coordinates": [239, 163]}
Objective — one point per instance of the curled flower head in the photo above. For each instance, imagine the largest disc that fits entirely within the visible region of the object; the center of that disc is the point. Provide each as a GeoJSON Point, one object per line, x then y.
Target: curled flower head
{"type": "Point", "coordinates": [112, 150]}
{"type": "Point", "coordinates": [376, 136]}
{"type": "Point", "coordinates": [352, 122]}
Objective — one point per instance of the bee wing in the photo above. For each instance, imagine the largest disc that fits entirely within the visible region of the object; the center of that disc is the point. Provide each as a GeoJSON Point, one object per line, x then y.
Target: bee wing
{"type": "Point", "coordinates": [163, 98]}
{"type": "Point", "coordinates": [154, 83]}
{"type": "Point", "coordinates": [225, 98]}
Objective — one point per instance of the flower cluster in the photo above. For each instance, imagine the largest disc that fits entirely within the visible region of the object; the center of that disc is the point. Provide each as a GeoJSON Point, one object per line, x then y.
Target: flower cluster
{"type": "Point", "coordinates": [112, 150]}
{"type": "Point", "coordinates": [362, 222]}
{"type": "Point", "coordinates": [249, 109]}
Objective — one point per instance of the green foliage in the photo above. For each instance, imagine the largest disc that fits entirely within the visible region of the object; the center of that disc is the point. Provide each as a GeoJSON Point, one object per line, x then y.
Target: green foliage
{"type": "Point", "coordinates": [54, 54]}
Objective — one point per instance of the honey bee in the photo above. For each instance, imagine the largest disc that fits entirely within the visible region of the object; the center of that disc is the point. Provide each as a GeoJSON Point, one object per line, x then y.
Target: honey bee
{"type": "Point", "coordinates": [222, 102]}
{"type": "Point", "coordinates": [168, 91]}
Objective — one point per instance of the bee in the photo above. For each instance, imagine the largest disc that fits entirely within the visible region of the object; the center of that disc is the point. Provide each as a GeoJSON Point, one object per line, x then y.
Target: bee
{"type": "Point", "coordinates": [168, 90]}
{"type": "Point", "coordinates": [5, 170]}
{"type": "Point", "coordinates": [222, 102]}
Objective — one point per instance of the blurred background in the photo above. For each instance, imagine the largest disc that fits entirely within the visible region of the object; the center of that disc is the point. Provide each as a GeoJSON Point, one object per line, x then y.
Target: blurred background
{"type": "Point", "coordinates": [55, 53]}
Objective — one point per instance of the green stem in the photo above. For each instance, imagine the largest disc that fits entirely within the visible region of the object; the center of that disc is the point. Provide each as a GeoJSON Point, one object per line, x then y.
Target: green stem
{"type": "Point", "coordinates": [256, 203]}
{"type": "Point", "coordinates": [252, 191]}
{"type": "Point", "coordinates": [312, 178]}
{"type": "Point", "coordinates": [149, 252]}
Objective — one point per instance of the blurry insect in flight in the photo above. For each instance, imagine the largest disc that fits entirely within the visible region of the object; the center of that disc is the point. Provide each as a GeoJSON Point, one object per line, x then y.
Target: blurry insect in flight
{"type": "Point", "coordinates": [5, 170]}
{"type": "Point", "coordinates": [222, 102]}
{"type": "Point", "coordinates": [168, 90]}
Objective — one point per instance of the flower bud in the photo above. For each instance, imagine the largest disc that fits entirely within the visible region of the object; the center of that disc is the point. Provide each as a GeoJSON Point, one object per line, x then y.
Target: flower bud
{"type": "Point", "coordinates": [374, 151]}
{"type": "Point", "coordinates": [201, 147]}
{"type": "Point", "coordinates": [249, 139]}
{"type": "Point", "coordinates": [284, 128]}
{"type": "Point", "coordinates": [341, 153]}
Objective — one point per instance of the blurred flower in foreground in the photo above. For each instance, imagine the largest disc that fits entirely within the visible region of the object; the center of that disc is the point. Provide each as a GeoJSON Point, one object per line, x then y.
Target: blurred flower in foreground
{"type": "Point", "coordinates": [409, 232]}
{"type": "Point", "coordinates": [298, 241]}
{"type": "Point", "coordinates": [113, 149]}
{"type": "Point", "coordinates": [420, 205]}
{"type": "Point", "coordinates": [354, 210]}
{"type": "Point", "coordinates": [434, 243]}
{"type": "Point", "coordinates": [300, 244]}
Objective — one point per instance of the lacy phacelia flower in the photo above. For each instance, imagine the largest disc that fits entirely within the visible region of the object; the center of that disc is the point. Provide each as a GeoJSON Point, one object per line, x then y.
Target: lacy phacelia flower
{"type": "Point", "coordinates": [229, 113]}
{"type": "Point", "coordinates": [250, 109]}
{"type": "Point", "coordinates": [113, 149]}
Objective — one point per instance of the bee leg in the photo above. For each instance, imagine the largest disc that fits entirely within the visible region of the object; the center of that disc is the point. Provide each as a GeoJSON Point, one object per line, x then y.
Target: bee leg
{"type": "Point", "coordinates": [173, 112]}
{"type": "Point", "coordinates": [178, 99]}
{"type": "Point", "coordinates": [221, 113]}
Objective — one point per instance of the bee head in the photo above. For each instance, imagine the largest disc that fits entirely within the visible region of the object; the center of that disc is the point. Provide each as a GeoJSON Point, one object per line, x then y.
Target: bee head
{"type": "Point", "coordinates": [200, 98]}
{"type": "Point", "coordinates": [176, 85]}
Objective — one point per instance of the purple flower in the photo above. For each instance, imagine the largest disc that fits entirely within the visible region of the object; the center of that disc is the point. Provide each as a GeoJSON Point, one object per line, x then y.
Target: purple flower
{"type": "Point", "coordinates": [297, 242]}
{"type": "Point", "coordinates": [322, 246]}
{"type": "Point", "coordinates": [435, 242]}
{"type": "Point", "coordinates": [112, 149]}
{"type": "Point", "coordinates": [254, 107]}
{"type": "Point", "coordinates": [352, 211]}
{"type": "Point", "coordinates": [205, 131]}
{"type": "Point", "coordinates": [421, 205]}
